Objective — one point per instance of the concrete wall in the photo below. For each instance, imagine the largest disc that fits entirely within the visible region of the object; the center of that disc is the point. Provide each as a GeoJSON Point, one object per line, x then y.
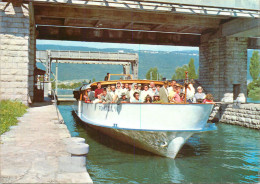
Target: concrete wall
{"type": "Point", "coordinates": [223, 63]}
{"type": "Point", "coordinates": [17, 52]}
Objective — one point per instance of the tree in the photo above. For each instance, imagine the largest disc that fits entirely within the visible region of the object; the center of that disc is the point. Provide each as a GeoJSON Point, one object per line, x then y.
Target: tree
{"type": "Point", "coordinates": [180, 72]}
{"type": "Point", "coordinates": [191, 70]}
{"type": "Point", "coordinates": [152, 74]}
{"type": "Point", "coordinates": [254, 67]}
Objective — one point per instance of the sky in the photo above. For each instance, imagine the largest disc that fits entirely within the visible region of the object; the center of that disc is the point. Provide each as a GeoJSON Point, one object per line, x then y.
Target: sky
{"type": "Point", "coordinates": [102, 45]}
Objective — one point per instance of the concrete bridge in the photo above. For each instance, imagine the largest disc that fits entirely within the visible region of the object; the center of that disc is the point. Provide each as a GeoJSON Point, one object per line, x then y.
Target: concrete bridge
{"type": "Point", "coordinates": [222, 30]}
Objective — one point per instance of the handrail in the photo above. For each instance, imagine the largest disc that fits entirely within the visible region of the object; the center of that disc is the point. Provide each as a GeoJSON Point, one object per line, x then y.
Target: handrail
{"type": "Point", "coordinates": [55, 102]}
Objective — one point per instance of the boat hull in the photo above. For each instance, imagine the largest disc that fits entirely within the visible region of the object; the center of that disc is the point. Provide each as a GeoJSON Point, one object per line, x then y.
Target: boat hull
{"type": "Point", "coordinates": [155, 132]}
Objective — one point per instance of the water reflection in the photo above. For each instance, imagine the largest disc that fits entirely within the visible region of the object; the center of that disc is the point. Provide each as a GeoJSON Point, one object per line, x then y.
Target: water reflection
{"type": "Point", "coordinates": [230, 154]}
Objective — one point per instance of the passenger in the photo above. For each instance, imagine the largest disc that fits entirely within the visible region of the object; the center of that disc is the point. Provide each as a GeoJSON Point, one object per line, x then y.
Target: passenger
{"type": "Point", "coordinates": [163, 92]}
{"type": "Point", "coordinates": [190, 93]}
{"type": "Point", "coordinates": [127, 91]}
{"type": "Point", "coordinates": [133, 90]}
{"type": "Point", "coordinates": [182, 95]}
{"type": "Point", "coordinates": [99, 99]}
{"type": "Point", "coordinates": [106, 77]}
{"type": "Point", "coordinates": [129, 87]}
{"type": "Point", "coordinates": [156, 99]}
{"type": "Point", "coordinates": [139, 88]}
{"type": "Point", "coordinates": [158, 88]}
{"type": "Point", "coordinates": [145, 92]}
{"type": "Point", "coordinates": [199, 96]}
{"type": "Point", "coordinates": [113, 91]}
{"type": "Point", "coordinates": [99, 90]}
{"type": "Point", "coordinates": [152, 84]}
{"type": "Point", "coordinates": [154, 91]}
{"type": "Point", "coordinates": [91, 95]}
{"type": "Point", "coordinates": [172, 92]}
{"type": "Point", "coordinates": [208, 99]}
{"type": "Point", "coordinates": [136, 98]}
{"type": "Point", "coordinates": [117, 92]}
{"type": "Point", "coordinates": [148, 99]}
{"type": "Point", "coordinates": [123, 99]}
{"type": "Point", "coordinates": [177, 98]}
{"type": "Point", "coordinates": [85, 97]}
{"type": "Point", "coordinates": [173, 82]}
{"type": "Point", "coordinates": [106, 97]}
{"type": "Point", "coordinates": [108, 88]}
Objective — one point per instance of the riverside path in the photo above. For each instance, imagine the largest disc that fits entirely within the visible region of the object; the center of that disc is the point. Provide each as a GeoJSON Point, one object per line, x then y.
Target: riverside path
{"type": "Point", "coordinates": [34, 151]}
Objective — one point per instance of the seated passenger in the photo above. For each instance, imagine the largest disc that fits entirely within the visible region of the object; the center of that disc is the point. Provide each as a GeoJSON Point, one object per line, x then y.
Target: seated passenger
{"type": "Point", "coordinates": [145, 92]}
{"type": "Point", "coordinates": [99, 90]}
{"type": "Point", "coordinates": [98, 100]}
{"type": "Point", "coordinates": [156, 99]}
{"type": "Point", "coordinates": [148, 99]}
{"type": "Point", "coordinates": [199, 96]}
{"type": "Point", "coordinates": [208, 99]}
{"type": "Point", "coordinates": [106, 97]}
{"type": "Point", "coordinates": [123, 99]}
{"type": "Point", "coordinates": [136, 98]}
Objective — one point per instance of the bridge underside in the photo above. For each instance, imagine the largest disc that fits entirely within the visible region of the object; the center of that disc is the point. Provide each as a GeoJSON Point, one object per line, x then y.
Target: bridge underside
{"type": "Point", "coordinates": [223, 34]}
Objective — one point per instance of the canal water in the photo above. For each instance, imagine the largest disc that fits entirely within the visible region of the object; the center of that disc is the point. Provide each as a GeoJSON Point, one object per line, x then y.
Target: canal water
{"type": "Point", "coordinates": [230, 154]}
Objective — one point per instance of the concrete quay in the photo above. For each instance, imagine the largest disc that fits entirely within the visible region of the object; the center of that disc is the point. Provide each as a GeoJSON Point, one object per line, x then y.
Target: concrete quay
{"type": "Point", "coordinates": [38, 150]}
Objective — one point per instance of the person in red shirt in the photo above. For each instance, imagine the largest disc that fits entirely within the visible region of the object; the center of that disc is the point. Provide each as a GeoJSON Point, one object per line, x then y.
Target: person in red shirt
{"type": "Point", "coordinates": [208, 99]}
{"type": "Point", "coordinates": [99, 90]}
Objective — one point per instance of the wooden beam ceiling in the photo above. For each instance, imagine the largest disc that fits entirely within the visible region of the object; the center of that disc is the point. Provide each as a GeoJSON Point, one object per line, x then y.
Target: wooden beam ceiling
{"type": "Point", "coordinates": [121, 19]}
{"type": "Point", "coordinates": [116, 36]}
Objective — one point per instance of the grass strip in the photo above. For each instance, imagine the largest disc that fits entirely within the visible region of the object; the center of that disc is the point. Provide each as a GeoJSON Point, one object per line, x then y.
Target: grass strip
{"type": "Point", "coordinates": [9, 112]}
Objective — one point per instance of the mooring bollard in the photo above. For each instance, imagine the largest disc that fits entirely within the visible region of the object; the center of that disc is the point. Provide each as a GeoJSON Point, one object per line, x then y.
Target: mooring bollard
{"type": "Point", "coordinates": [78, 149]}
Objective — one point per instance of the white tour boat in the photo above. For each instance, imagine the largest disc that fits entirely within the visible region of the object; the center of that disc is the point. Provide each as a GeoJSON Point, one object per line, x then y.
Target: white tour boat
{"type": "Point", "coordinates": [158, 128]}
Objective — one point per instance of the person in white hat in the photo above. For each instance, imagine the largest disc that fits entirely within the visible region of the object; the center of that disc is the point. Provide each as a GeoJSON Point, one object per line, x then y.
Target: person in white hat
{"type": "Point", "coordinates": [199, 96]}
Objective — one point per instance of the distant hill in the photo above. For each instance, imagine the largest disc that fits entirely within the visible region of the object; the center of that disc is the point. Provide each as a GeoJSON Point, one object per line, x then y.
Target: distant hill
{"type": "Point", "coordinates": [166, 62]}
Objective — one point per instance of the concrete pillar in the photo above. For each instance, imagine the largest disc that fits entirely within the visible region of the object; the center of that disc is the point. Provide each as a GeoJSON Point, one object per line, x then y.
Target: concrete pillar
{"type": "Point", "coordinates": [134, 67]}
{"type": "Point", "coordinates": [223, 67]}
{"type": "Point", "coordinates": [126, 69]}
{"type": "Point", "coordinates": [17, 51]}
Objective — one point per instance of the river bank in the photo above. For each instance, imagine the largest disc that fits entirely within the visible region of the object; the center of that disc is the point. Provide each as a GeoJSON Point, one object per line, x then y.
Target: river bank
{"type": "Point", "coordinates": [37, 150]}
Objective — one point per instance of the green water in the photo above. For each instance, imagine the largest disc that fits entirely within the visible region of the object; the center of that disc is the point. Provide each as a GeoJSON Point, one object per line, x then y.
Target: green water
{"type": "Point", "coordinates": [230, 154]}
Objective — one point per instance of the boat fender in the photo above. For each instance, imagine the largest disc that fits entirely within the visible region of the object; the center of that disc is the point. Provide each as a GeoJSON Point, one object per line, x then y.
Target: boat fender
{"type": "Point", "coordinates": [78, 149]}
{"type": "Point", "coordinates": [164, 144]}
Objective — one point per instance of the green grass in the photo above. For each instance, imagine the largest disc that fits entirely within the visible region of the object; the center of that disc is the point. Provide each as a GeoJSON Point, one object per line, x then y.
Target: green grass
{"type": "Point", "coordinates": [9, 111]}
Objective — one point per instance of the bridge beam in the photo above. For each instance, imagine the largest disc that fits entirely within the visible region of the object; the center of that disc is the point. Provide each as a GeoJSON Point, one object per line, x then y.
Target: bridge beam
{"type": "Point", "coordinates": [116, 36]}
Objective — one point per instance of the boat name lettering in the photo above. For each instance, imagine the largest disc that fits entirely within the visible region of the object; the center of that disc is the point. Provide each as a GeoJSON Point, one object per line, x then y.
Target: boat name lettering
{"type": "Point", "coordinates": [106, 108]}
